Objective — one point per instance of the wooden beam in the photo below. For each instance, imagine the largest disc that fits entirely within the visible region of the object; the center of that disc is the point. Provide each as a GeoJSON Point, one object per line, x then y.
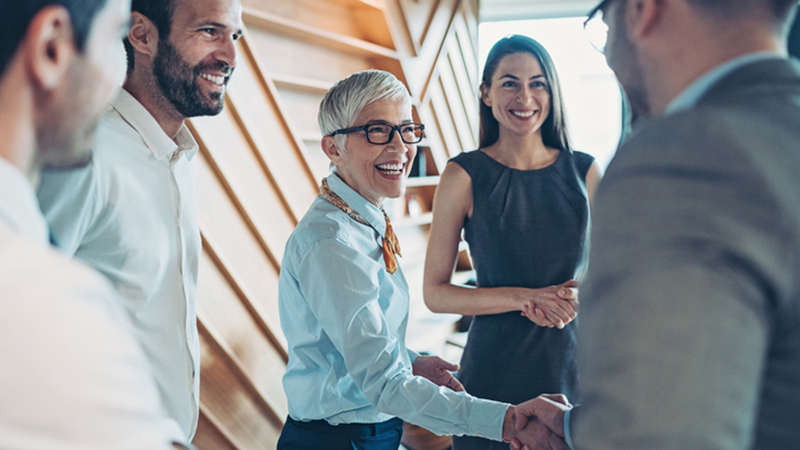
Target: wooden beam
{"type": "Point", "coordinates": [316, 36]}
{"type": "Point", "coordinates": [255, 312]}
{"type": "Point", "coordinates": [232, 361]}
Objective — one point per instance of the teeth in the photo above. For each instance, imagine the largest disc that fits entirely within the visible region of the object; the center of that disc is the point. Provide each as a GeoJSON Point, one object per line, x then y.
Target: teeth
{"type": "Point", "coordinates": [391, 167]}
{"type": "Point", "coordinates": [214, 79]}
{"type": "Point", "coordinates": [522, 114]}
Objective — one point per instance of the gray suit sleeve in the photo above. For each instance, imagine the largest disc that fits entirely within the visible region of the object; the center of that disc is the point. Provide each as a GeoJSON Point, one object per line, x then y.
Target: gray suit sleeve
{"type": "Point", "coordinates": [676, 311]}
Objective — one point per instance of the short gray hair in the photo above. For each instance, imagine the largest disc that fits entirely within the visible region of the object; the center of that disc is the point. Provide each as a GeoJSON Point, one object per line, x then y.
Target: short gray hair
{"type": "Point", "coordinates": [344, 101]}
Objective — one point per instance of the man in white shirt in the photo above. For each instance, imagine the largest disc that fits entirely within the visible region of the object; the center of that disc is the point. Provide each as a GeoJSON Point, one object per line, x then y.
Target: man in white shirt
{"type": "Point", "coordinates": [130, 214]}
{"type": "Point", "coordinates": [73, 376]}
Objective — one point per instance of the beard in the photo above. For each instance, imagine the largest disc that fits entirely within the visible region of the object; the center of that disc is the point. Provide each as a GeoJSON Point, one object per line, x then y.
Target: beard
{"type": "Point", "coordinates": [177, 81]}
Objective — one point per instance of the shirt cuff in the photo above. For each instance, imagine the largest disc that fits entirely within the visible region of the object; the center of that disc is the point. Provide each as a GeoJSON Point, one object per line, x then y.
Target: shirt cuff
{"type": "Point", "coordinates": [486, 419]}
{"type": "Point", "coordinates": [567, 436]}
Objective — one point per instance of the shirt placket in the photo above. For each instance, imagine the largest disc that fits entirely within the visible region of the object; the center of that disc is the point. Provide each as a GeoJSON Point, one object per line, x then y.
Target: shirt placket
{"type": "Point", "coordinates": [182, 264]}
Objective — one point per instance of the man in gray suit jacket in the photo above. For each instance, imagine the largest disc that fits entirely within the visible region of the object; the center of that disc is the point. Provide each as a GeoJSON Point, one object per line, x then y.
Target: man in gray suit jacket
{"type": "Point", "coordinates": [690, 333]}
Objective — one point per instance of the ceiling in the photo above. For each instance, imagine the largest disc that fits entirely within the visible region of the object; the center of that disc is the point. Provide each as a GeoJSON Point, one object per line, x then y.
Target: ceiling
{"type": "Point", "coordinates": [495, 10]}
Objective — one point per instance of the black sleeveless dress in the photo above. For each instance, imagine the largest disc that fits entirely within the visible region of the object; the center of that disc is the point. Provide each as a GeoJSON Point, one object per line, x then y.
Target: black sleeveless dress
{"type": "Point", "coordinates": [529, 228]}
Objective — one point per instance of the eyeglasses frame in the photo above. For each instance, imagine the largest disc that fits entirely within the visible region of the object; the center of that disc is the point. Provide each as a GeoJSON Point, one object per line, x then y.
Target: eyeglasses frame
{"type": "Point", "coordinates": [592, 16]}
{"type": "Point", "coordinates": [395, 128]}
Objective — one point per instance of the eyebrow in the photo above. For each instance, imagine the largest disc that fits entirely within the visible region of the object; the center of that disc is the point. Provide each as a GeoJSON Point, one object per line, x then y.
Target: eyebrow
{"type": "Point", "coordinates": [386, 122]}
{"type": "Point", "coordinates": [218, 25]}
{"type": "Point", "coordinates": [531, 78]}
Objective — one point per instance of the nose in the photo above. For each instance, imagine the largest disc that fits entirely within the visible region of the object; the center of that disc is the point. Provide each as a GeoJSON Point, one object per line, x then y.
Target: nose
{"type": "Point", "coordinates": [524, 95]}
{"type": "Point", "coordinates": [227, 52]}
{"type": "Point", "coordinates": [397, 140]}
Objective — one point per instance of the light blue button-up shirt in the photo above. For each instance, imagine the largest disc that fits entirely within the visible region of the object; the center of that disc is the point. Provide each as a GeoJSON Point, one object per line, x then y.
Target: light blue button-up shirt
{"type": "Point", "coordinates": [344, 317]}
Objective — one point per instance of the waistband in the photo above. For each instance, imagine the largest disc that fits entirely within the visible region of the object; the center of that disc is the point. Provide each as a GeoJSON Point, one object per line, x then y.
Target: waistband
{"type": "Point", "coordinates": [348, 429]}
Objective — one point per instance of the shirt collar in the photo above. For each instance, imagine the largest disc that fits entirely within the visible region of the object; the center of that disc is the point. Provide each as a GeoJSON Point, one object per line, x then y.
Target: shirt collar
{"type": "Point", "coordinates": [371, 213]}
{"type": "Point", "coordinates": [19, 208]}
{"type": "Point", "coordinates": [160, 145]}
{"type": "Point", "coordinates": [692, 94]}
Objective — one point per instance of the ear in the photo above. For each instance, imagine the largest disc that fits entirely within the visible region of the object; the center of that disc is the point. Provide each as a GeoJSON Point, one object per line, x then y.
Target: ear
{"type": "Point", "coordinates": [143, 35]}
{"type": "Point", "coordinates": [49, 47]}
{"type": "Point", "coordinates": [644, 16]}
{"type": "Point", "coordinates": [485, 95]}
{"type": "Point", "coordinates": [332, 150]}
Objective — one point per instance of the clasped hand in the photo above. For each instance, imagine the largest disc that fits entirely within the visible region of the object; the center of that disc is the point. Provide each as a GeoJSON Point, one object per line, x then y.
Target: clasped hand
{"type": "Point", "coordinates": [553, 306]}
{"type": "Point", "coordinates": [539, 423]}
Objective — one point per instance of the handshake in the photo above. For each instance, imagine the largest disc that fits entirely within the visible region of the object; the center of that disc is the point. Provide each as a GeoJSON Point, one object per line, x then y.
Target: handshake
{"type": "Point", "coordinates": [537, 423]}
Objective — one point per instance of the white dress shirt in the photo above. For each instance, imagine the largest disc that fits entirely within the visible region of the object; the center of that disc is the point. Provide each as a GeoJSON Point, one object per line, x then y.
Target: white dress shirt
{"type": "Point", "coordinates": [345, 317]}
{"type": "Point", "coordinates": [73, 377]}
{"type": "Point", "coordinates": [130, 214]}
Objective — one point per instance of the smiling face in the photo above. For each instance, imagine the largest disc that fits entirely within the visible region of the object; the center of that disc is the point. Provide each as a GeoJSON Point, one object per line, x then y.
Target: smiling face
{"type": "Point", "coordinates": [375, 171]}
{"type": "Point", "coordinates": [519, 95]}
{"type": "Point", "coordinates": [193, 66]}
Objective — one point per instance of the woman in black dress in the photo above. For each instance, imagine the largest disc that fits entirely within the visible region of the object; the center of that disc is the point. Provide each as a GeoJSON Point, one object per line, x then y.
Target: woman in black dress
{"type": "Point", "coordinates": [522, 201]}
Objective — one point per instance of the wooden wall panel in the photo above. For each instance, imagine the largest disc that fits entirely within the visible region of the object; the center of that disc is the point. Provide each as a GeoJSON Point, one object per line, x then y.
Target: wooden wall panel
{"type": "Point", "coordinates": [259, 169]}
{"type": "Point", "coordinates": [231, 403]}
{"type": "Point", "coordinates": [239, 249]}
{"type": "Point", "coordinates": [233, 157]}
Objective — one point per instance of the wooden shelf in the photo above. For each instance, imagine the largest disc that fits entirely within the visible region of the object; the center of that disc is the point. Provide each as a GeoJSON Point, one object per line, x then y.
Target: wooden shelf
{"type": "Point", "coordinates": [422, 219]}
{"type": "Point", "coordinates": [313, 137]}
{"type": "Point", "coordinates": [301, 83]}
{"type": "Point", "coordinates": [315, 36]}
{"type": "Point", "coordinates": [422, 181]}
{"type": "Point", "coordinates": [375, 4]}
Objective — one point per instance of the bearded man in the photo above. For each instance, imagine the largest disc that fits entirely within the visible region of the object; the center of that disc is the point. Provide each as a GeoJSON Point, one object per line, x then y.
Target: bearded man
{"type": "Point", "coordinates": [130, 214]}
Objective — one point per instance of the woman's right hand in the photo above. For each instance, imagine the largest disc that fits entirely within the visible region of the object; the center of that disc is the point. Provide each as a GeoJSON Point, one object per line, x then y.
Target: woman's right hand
{"type": "Point", "coordinates": [553, 306]}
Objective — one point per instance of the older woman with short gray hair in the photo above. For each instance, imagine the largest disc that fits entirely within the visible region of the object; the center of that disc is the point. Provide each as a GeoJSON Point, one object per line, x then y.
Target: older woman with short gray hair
{"type": "Point", "coordinates": [350, 380]}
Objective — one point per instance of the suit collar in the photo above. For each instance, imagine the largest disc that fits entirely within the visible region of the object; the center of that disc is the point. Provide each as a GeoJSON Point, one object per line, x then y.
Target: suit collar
{"type": "Point", "coordinates": [700, 87]}
{"type": "Point", "coordinates": [759, 78]}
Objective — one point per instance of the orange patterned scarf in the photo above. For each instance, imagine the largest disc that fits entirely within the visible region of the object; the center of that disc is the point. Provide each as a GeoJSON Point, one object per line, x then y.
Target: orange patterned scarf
{"type": "Point", "coordinates": [391, 246]}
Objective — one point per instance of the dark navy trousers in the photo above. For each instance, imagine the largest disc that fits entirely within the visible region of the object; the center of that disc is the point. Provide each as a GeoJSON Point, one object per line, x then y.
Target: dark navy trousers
{"type": "Point", "coordinates": [319, 434]}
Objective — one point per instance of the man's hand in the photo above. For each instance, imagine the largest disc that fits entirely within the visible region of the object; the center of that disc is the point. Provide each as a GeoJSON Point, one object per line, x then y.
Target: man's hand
{"type": "Point", "coordinates": [536, 436]}
{"type": "Point", "coordinates": [437, 370]}
{"type": "Point", "coordinates": [547, 408]}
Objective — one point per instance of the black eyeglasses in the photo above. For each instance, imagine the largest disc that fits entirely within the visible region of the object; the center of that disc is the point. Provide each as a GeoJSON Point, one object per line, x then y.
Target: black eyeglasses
{"type": "Point", "coordinates": [383, 133]}
{"type": "Point", "coordinates": [596, 27]}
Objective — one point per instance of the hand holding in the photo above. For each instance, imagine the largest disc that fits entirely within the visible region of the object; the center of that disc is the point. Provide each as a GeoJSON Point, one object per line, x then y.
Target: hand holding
{"type": "Point", "coordinates": [547, 408]}
{"type": "Point", "coordinates": [535, 436]}
{"type": "Point", "coordinates": [553, 306]}
{"type": "Point", "coordinates": [438, 371]}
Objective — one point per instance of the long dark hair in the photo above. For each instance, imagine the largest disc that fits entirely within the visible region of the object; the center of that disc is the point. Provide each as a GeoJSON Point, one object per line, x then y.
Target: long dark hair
{"type": "Point", "coordinates": [554, 128]}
